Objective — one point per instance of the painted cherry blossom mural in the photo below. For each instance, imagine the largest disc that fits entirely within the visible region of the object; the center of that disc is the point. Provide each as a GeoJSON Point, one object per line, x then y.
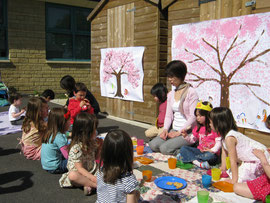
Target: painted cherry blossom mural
{"type": "Point", "coordinates": [121, 73]}
{"type": "Point", "coordinates": [229, 63]}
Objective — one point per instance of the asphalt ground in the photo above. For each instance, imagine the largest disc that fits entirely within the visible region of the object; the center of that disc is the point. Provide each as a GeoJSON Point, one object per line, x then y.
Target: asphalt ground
{"type": "Point", "coordinates": [23, 180]}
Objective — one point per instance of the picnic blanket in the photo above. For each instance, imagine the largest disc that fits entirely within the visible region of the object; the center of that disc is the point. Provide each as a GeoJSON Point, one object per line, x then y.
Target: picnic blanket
{"type": "Point", "coordinates": [150, 192]}
{"type": "Point", "coordinates": [5, 125]}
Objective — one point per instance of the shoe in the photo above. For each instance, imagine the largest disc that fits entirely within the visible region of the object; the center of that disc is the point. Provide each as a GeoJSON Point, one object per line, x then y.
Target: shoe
{"type": "Point", "coordinates": [179, 157]}
{"type": "Point", "coordinates": [87, 191]}
{"type": "Point", "coordinates": [205, 165]}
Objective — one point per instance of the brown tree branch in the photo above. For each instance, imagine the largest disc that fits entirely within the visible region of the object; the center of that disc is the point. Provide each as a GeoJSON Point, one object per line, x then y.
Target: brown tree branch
{"type": "Point", "coordinates": [245, 61]}
{"type": "Point", "coordinates": [232, 45]}
{"type": "Point", "coordinates": [245, 83]}
{"type": "Point", "coordinates": [199, 58]}
{"type": "Point", "coordinates": [198, 78]}
{"type": "Point", "coordinates": [265, 102]}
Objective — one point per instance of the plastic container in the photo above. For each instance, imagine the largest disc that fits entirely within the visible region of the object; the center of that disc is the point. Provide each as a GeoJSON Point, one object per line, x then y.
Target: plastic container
{"type": "Point", "coordinates": [206, 181]}
{"type": "Point", "coordinates": [148, 174]}
{"type": "Point", "coordinates": [172, 163]}
{"type": "Point", "coordinates": [223, 186]}
{"type": "Point", "coordinates": [215, 174]}
{"type": "Point", "coordinates": [202, 196]}
{"type": "Point", "coordinates": [140, 142]}
{"type": "Point", "coordinates": [139, 150]}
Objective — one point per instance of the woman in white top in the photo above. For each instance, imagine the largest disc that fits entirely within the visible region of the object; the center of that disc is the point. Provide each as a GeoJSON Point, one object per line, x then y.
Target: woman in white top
{"type": "Point", "coordinates": [180, 116]}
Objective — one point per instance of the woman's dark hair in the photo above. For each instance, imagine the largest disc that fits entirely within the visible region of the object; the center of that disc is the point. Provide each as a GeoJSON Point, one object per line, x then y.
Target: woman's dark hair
{"type": "Point", "coordinates": [116, 155]}
{"type": "Point", "coordinates": [160, 91]}
{"type": "Point", "coordinates": [83, 128]}
{"type": "Point", "coordinates": [223, 121]}
{"type": "Point", "coordinates": [14, 96]}
{"type": "Point", "coordinates": [68, 83]}
{"type": "Point", "coordinates": [56, 123]}
{"type": "Point", "coordinates": [48, 93]}
{"type": "Point", "coordinates": [206, 114]}
{"type": "Point", "coordinates": [177, 69]}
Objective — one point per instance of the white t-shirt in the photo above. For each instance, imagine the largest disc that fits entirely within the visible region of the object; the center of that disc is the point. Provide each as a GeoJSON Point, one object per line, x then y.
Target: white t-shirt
{"type": "Point", "coordinates": [13, 109]}
{"type": "Point", "coordinates": [178, 118]}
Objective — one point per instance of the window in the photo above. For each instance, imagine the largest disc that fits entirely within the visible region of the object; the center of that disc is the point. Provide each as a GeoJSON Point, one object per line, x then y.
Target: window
{"type": "Point", "coordinates": [67, 33]}
{"type": "Point", "coordinates": [3, 30]}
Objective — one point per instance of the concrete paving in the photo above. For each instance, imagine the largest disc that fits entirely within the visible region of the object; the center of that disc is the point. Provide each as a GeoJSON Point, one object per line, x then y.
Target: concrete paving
{"type": "Point", "coordinates": [23, 180]}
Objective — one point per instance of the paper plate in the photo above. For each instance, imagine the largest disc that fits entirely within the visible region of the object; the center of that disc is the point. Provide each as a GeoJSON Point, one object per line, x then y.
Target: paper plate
{"type": "Point", "coordinates": [223, 186]}
{"type": "Point", "coordinates": [143, 160]}
{"type": "Point", "coordinates": [182, 165]}
{"type": "Point", "coordinates": [161, 182]}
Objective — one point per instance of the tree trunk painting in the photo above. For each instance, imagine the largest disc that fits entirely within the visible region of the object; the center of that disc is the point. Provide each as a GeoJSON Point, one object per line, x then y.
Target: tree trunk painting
{"type": "Point", "coordinates": [227, 59]}
{"type": "Point", "coordinates": [121, 73]}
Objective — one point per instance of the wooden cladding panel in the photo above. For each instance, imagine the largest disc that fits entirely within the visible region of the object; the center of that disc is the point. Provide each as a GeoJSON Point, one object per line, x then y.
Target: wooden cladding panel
{"type": "Point", "coordinates": [120, 33]}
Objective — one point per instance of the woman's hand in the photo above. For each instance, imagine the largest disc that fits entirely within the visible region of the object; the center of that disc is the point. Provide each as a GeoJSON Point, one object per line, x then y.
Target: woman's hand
{"type": "Point", "coordinates": [164, 134]}
{"type": "Point", "coordinates": [174, 134]}
{"type": "Point", "coordinates": [183, 132]}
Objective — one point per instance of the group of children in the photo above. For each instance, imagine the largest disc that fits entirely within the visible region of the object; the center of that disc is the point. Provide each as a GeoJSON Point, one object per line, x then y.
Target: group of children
{"type": "Point", "coordinates": [82, 158]}
{"type": "Point", "coordinates": [90, 163]}
{"type": "Point", "coordinates": [216, 132]}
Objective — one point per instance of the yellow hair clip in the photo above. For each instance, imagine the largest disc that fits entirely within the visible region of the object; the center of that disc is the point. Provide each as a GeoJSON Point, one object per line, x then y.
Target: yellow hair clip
{"type": "Point", "coordinates": [200, 105]}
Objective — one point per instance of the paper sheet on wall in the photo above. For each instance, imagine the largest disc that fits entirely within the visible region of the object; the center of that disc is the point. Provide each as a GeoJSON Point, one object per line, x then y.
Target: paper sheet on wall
{"type": "Point", "coordinates": [121, 73]}
{"type": "Point", "coordinates": [228, 62]}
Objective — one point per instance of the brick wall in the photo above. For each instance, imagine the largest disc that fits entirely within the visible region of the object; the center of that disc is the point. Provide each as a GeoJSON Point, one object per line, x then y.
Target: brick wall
{"type": "Point", "coordinates": [28, 70]}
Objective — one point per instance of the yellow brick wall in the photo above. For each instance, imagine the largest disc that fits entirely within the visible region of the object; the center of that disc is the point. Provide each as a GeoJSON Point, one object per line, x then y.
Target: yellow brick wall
{"type": "Point", "coordinates": [28, 70]}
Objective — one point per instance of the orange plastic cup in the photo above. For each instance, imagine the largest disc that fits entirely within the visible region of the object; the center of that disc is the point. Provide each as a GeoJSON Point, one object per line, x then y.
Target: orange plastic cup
{"type": "Point", "coordinates": [172, 163]}
{"type": "Point", "coordinates": [139, 150]}
{"type": "Point", "coordinates": [148, 174]}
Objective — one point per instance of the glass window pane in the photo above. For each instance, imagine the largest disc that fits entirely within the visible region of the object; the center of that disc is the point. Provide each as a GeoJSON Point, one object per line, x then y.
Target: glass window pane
{"type": "Point", "coordinates": [3, 48]}
{"type": "Point", "coordinates": [82, 47]}
{"type": "Point", "coordinates": [58, 18]}
{"type": "Point", "coordinates": [1, 12]}
{"type": "Point", "coordinates": [59, 46]}
{"type": "Point", "coordinates": [81, 20]}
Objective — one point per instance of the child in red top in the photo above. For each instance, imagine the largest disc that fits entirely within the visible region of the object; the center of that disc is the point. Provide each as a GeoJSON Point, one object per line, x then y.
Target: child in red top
{"type": "Point", "coordinates": [209, 141]}
{"type": "Point", "coordinates": [159, 92]}
{"type": "Point", "coordinates": [79, 103]}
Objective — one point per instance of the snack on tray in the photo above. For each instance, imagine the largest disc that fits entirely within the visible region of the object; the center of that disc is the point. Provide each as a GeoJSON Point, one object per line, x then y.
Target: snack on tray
{"type": "Point", "coordinates": [176, 184]}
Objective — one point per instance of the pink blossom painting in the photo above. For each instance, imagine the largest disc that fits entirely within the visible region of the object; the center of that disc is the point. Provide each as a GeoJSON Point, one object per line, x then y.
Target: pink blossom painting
{"type": "Point", "coordinates": [228, 63]}
{"type": "Point", "coordinates": [121, 73]}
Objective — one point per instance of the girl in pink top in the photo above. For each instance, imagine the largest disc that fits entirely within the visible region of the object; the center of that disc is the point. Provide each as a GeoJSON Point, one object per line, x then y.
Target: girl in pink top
{"type": "Point", "coordinates": [209, 141]}
{"type": "Point", "coordinates": [159, 92]}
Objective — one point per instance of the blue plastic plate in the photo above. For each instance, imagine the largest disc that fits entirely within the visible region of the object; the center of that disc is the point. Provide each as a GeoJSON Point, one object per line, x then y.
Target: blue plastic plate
{"type": "Point", "coordinates": [162, 182]}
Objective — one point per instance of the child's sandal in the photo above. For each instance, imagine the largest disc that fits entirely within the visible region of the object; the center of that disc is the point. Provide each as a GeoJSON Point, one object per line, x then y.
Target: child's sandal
{"type": "Point", "coordinates": [87, 190]}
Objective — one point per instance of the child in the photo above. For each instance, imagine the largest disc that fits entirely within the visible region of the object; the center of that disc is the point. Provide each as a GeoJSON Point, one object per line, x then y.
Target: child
{"type": "Point", "coordinates": [14, 113]}
{"type": "Point", "coordinates": [68, 83]}
{"type": "Point", "coordinates": [237, 146]}
{"type": "Point", "coordinates": [54, 144]}
{"type": "Point", "coordinates": [82, 154]}
{"type": "Point", "coordinates": [116, 182]}
{"type": "Point", "coordinates": [79, 103]}
{"type": "Point", "coordinates": [48, 95]}
{"type": "Point", "coordinates": [209, 141]}
{"type": "Point", "coordinates": [259, 188]}
{"type": "Point", "coordinates": [159, 92]}
{"type": "Point", "coordinates": [33, 129]}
